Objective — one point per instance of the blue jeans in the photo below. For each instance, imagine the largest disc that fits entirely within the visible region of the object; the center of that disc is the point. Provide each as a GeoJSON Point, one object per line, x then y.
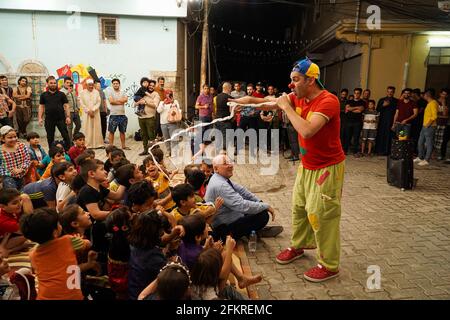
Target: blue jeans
{"type": "Point", "coordinates": [426, 143]}
{"type": "Point", "coordinates": [167, 131]}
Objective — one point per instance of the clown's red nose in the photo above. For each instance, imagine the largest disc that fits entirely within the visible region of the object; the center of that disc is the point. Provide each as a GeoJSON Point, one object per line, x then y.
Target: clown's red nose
{"type": "Point", "coordinates": [291, 86]}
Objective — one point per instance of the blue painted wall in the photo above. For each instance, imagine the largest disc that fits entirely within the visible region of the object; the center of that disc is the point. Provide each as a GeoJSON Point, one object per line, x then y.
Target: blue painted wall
{"type": "Point", "coordinates": [144, 44]}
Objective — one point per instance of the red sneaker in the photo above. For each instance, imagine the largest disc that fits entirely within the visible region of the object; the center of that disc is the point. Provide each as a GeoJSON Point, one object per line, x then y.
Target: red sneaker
{"type": "Point", "coordinates": [319, 273]}
{"type": "Point", "coordinates": [288, 255]}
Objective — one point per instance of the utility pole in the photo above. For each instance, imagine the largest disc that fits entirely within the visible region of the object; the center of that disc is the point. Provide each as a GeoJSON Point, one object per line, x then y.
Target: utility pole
{"type": "Point", "coordinates": [205, 36]}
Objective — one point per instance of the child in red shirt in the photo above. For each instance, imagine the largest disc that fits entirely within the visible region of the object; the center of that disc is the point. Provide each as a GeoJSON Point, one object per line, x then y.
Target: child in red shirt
{"type": "Point", "coordinates": [12, 205]}
{"type": "Point", "coordinates": [78, 148]}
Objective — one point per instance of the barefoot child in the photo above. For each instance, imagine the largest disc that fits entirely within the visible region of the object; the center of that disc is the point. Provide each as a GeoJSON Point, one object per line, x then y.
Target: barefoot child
{"type": "Point", "coordinates": [196, 232]}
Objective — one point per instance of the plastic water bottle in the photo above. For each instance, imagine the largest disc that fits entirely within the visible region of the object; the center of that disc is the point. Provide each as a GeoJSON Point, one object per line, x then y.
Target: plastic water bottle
{"type": "Point", "coordinates": [252, 242]}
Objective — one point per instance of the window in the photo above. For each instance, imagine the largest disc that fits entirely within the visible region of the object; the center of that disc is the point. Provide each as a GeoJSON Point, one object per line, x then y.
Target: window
{"type": "Point", "coordinates": [439, 56]}
{"type": "Point", "coordinates": [108, 27]}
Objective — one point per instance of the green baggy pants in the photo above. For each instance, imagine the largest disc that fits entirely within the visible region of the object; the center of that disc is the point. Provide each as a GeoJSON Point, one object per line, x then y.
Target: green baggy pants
{"type": "Point", "coordinates": [316, 212]}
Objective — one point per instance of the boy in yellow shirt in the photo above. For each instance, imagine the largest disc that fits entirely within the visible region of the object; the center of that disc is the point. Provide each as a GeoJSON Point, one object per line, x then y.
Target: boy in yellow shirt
{"type": "Point", "coordinates": [184, 197]}
{"type": "Point", "coordinates": [160, 183]}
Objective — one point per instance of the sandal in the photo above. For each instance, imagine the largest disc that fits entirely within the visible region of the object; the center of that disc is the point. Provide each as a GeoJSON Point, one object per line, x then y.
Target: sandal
{"type": "Point", "coordinates": [126, 148]}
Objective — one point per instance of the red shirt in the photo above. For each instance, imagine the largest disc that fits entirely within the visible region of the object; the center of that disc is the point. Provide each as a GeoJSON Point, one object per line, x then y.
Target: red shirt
{"type": "Point", "coordinates": [8, 223]}
{"type": "Point", "coordinates": [405, 110]}
{"type": "Point", "coordinates": [258, 95]}
{"type": "Point", "coordinates": [74, 152]}
{"type": "Point", "coordinates": [324, 149]}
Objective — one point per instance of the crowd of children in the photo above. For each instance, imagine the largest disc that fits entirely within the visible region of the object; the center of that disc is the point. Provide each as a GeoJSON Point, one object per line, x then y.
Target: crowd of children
{"type": "Point", "coordinates": [116, 220]}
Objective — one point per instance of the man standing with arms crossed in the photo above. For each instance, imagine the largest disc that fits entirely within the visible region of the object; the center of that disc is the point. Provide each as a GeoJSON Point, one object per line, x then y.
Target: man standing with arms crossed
{"type": "Point", "coordinates": [316, 203]}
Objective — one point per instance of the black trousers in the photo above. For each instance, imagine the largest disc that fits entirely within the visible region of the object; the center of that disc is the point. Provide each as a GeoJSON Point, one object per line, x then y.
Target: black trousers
{"type": "Point", "coordinates": [265, 126]}
{"type": "Point", "coordinates": [103, 116]}
{"type": "Point", "coordinates": [352, 131]}
{"type": "Point", "coordinates": [158, 125]}
{"type": "Point", "coordinates": [445, 142]}
{"type": "Point", "coordinates": [50, 126]}
{"type": "Point", "coordinates": [241, 227]}
{"type": "Point", "coordinates": [249, 123]}
{"type": "Point", "coordinates": [293, 140]}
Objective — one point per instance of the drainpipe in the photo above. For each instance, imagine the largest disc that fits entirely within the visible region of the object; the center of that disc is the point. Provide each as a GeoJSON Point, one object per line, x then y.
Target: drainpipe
{"type": "Point", "coordinates": [185, 68]}
{"type": "Point", "coordinates": [408, 59]}
{"type": "Point", "coordinates": [369, 56]}
{"type": "Point", "coordinates": [358, 9]}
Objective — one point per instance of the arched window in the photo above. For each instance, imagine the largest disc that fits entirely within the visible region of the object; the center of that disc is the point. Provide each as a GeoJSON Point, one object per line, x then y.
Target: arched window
{"type": "Point", "coordinates": [36, 73]}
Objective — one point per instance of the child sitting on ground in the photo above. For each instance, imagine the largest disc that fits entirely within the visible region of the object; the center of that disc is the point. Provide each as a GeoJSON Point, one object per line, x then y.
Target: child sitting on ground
{"type": "Point", "coordinates": [160, 183]}
{"type": "Point", "coordinates": [91, 198]}
{"type": "Point", "coordinates": [54, 255]}
{"type": "Point", "coordinates": [113, 183]}
{"type": "Point", "coordinates": [86, 155]}
{"type": "Point", "coordinates": [117, 160]}
{"type": "Point", "coordinates": [118, 225]}
{"type": "Point", "coordinates": [189, 169]}
{"type": "Point", "coordinates": [47, 159]}
{"type": "Point", "coordinates": [207, 168]}
{"type": "Point", "coordinates": [75, 186]}
{"type": "Point", "coordinates": [126, 176]}
{"type": "Point", "coordinates": [173, 283]}
{"type": "Point", "coordinates": [110, 148]}
{"type": "Point", "coordinates": [57, 155]}
{"type": "Point", "coordinates": [141, 196]}
{"type": "Point", "coordinates": [75, 221]}
{"type": "Point", "coordinates": [79, 147]}
{"type": "Point", "coordinates": [37, 154]}
{"type": "Point", "coordinates": [196, 233]}
{"type": "Point", "coordinates": [146, 255]}
{"type": "Point", "coordinates": [159, 157]}
{"type": "Point", "coordinates": [12, 206]}
{"type": "Point", "coordinates": [43, 193]}
{"type": "Point", "coordinates": [184, 197]}
{"type": "Point", "coordinates": [196, 179]}
{"type": "Point", "coordinates": [64, 190]}
{"type": "Point", "coordinates": [211, 272]}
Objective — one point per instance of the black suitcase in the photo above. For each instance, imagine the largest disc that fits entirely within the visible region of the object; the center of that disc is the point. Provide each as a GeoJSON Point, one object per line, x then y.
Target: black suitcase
{"type": "Point", "coordinates": [400, 173]}
{"type": "Point", "coordinates": [402, 149]}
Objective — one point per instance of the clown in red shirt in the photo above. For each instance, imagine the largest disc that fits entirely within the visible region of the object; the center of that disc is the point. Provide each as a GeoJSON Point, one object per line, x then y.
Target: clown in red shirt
{"type": "Point", "coordinates": [316, 210]}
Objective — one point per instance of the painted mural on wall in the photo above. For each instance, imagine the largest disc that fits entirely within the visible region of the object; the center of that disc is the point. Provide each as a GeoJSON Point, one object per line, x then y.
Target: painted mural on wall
{"type": "Point", "coordinates": [80, 73]}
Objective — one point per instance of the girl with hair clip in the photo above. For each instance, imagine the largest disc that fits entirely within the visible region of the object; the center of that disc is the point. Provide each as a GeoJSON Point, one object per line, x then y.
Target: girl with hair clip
{"type": "Point", "coordinates": [211, 272]}
{"type": "Point", "coordinates": [147, 252]}
{"type": "Point", "coordinates": [173, 283]}
{"type": "Point", "coordinates": [118, 225]}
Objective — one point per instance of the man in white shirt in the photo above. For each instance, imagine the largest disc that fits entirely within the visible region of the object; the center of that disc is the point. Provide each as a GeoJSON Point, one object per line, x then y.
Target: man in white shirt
{"type": "Point", "coordinates": [117, 117]}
